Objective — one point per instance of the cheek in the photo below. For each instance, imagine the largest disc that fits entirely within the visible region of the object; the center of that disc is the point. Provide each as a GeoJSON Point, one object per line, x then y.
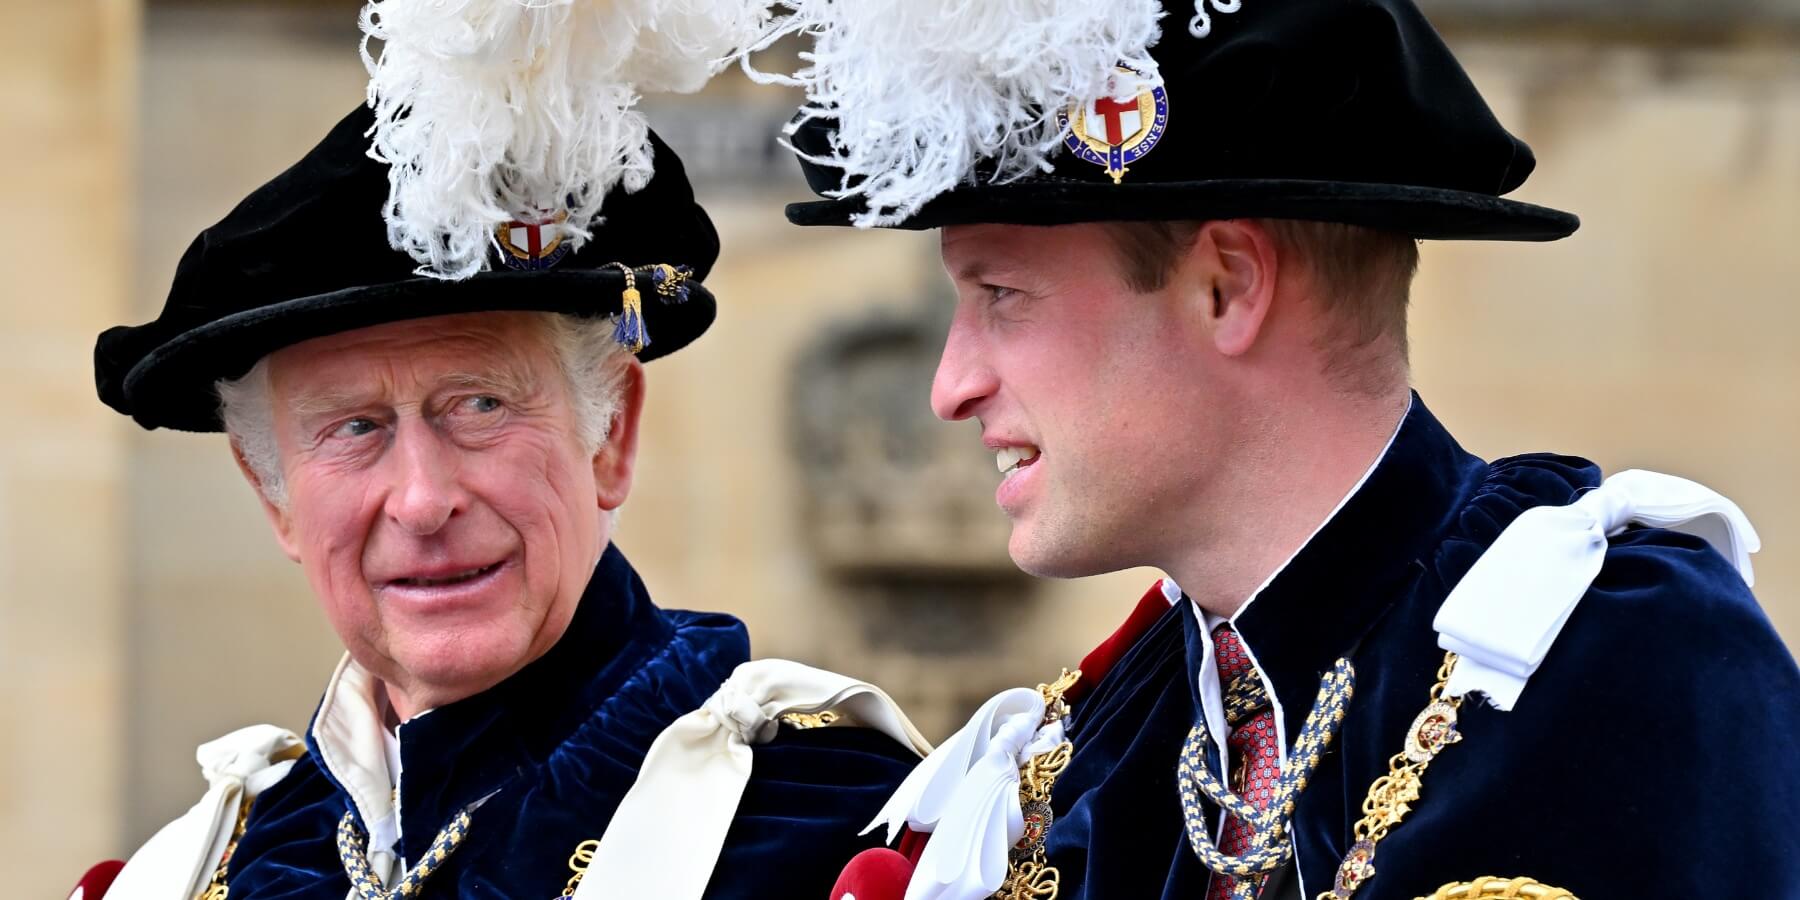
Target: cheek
{"type": "Point", "coordinates": [330, 513]}
{"type": "Point", "coordinates": [542, 487]}
{"type": "Point", "coordinates": [332, 528]}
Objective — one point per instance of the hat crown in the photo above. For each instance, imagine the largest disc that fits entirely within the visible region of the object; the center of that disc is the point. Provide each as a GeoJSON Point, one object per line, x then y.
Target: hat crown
{"type": "Point", "coordinates": [1339, 90]}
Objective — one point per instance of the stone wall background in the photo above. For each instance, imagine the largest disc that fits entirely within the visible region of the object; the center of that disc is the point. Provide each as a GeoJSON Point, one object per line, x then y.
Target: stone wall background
{"type": "Point", "coordinates": [67, 99]}
{"type": "Point", "coordinates": [143, 608]}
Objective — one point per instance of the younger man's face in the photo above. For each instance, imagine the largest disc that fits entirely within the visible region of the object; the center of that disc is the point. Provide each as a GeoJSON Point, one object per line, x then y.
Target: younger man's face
{"type": "Point", "coordinates": [1085, 389]}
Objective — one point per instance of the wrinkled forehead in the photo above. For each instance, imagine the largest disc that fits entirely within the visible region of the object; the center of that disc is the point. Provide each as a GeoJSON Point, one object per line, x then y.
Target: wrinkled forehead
{"type": "Point", "coordinates": [397, 361]}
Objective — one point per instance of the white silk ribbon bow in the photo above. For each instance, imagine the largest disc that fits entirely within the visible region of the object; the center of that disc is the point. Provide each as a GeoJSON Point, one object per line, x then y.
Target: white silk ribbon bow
{"type": "Point", "coordinates": [665, 837]}
{"type": "Point", "coordinates": [966, 794]}
{"type": "Point", "coordinates": [178, 862]}
{"type": "Point", "coordinates": [1503, 616]}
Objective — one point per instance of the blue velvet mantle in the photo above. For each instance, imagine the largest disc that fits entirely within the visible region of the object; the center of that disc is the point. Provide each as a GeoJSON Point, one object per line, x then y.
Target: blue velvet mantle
{"type": "Point", "coordinates": [558, 745]}
{"type": "Point", "coordinates": [1652, 755]}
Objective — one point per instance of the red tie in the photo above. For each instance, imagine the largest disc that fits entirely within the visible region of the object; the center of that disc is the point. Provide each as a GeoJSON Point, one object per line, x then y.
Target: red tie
{"type": "Point", "coordinates": [1255, 763]}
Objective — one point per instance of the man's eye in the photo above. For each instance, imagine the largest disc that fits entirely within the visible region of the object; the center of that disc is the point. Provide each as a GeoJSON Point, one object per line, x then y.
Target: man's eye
{"type": "Point", "coordinates": [482, 404]}
{"type": "Point", "coordinates": [356, 427]}
{"type": "Point", "coordinates": [996, 293]}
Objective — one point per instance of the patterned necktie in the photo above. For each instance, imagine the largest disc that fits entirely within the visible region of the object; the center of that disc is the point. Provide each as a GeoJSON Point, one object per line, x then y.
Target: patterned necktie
{"type": "Point", "coordinates": [1255, 753]}
{"type": "Point", "coordinates": [1256, 839]}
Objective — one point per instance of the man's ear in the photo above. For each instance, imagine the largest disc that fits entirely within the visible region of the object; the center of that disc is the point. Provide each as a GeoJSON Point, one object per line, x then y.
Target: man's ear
{"type": "Point", "coordinates": [1236, 259]}
{"type": "Point", "coordinates": [616, 459]}
{"type": "Point", "coordinates": [278, 517]}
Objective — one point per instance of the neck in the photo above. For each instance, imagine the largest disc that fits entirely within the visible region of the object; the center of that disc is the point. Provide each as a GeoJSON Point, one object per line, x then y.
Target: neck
{"type": "Point", "coordinates": [1305, 457]}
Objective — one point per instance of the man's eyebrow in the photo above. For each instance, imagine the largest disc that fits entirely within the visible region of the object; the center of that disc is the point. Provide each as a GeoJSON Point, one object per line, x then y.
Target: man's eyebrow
{"type": "Point", "coordinates": [973, 270]}
{"type": "Point", "coordinates": [978, 270]}
{"type": "Point", "coordinates": [505, 380]}
{"type": "Point", "coordinates": [306, 404]}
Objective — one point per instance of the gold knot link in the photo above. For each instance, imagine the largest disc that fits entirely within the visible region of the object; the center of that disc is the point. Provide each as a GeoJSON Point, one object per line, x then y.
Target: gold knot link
{"type": "Point", "coordinates": [1055, 707]}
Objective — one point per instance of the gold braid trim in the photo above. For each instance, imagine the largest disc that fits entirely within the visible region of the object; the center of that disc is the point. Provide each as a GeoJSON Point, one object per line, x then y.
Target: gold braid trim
{"type": "Point", "coordinates": [1487, 887]}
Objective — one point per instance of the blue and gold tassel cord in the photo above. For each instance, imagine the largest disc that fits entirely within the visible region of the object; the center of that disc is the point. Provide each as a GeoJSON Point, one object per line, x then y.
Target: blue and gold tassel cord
{"type": "Point", "coordinates": [671, 282]}
{"type": "Point", "coordinates": [671, 285]}
{"type": "Point", "coordinates": [1273, 846]}
{"type": "Point", "coordinates": [630, 331]}
{"type": "Point", "coordinates": [353, 846]}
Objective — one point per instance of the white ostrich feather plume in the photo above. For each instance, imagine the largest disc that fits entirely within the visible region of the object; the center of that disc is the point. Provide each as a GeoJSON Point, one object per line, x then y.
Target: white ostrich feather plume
{"type": "Point", "coordinates": [924, 90]}
{"type": "Point", "coordinates": [492, 110]}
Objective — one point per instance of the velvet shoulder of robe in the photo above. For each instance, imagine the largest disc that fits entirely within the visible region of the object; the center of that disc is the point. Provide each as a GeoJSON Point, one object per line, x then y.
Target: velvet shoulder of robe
{"type": "Point", "coordinates": [1650, 756]}
{"type": "Point", "coordinates": [555, 748]}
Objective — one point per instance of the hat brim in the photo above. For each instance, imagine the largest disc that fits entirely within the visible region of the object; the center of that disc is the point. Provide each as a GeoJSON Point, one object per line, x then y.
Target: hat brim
{"type": "Point", "coordinates": [1422, 212]}
{"type": "Point", "coordinates": [172, 386]}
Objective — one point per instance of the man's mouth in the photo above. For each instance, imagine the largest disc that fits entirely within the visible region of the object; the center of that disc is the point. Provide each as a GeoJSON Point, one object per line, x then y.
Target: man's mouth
{"type": "Point", "coordinates": [1011, 459]}
{"type": "Point", "coordinates": [445, 580]}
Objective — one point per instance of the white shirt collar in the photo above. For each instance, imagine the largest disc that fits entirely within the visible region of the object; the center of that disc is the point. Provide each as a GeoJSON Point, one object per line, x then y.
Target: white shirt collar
{"type": "Point", "coordinates": [361, 752]}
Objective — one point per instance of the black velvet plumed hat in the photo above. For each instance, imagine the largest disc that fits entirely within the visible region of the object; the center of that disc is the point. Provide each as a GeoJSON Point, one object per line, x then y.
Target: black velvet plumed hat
{"type": "Point", "coordinates": [1348, 111]}
{"type": "Point", "coordinates": [307, 255]}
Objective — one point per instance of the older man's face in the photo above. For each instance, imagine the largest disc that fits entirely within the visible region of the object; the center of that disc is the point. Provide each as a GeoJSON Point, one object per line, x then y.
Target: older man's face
{"type": "Point", "coordinates": [440, 497]}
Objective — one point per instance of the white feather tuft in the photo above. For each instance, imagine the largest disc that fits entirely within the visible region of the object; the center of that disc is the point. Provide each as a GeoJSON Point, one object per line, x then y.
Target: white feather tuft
{"type": "Point", "coordinates": [492, 110]}
{"type": "Point", "coordinates": [924, 90]}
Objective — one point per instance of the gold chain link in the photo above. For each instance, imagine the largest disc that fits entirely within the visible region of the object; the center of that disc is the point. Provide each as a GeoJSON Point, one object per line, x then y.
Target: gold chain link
{"type": "Point", "coordinates": [1392, 796]}
{"type": "Point", "coordinates": [578, 862]}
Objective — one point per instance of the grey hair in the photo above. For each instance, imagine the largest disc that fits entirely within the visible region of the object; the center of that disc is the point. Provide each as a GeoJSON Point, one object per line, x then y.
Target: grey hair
{"type": "Point", "coordinates": [592, 364]}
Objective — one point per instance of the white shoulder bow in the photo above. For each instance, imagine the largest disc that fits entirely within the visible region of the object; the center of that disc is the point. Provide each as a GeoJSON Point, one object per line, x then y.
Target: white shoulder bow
{"type": "Point", "coordinates": [666, 836]}
{"type": "Point", "coordinates": [178, 862]}
{"type": "Point", "coordinates": [966, 794]}
{"type": "Point", "coordinates": [1503, 616]}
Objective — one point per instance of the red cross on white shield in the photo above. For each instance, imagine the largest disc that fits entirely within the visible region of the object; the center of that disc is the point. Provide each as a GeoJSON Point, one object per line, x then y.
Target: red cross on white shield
{"type": "Point", "coordinates": [531, 238]}
{"type": "Point", "coordinates": [1121, 120]}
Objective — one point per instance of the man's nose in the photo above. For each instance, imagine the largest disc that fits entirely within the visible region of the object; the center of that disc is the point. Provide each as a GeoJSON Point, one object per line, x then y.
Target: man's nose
{"type": "Point", "coordinates": [426, 493]}
{"type": "Point", "coordinates": [963, 378]}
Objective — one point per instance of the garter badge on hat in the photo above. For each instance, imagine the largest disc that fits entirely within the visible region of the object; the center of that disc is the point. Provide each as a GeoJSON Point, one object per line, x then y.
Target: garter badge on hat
{"type": "Point", "coordinates": [1114, 133]}
{"type": "Point", "coordinates": [534, 244]}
